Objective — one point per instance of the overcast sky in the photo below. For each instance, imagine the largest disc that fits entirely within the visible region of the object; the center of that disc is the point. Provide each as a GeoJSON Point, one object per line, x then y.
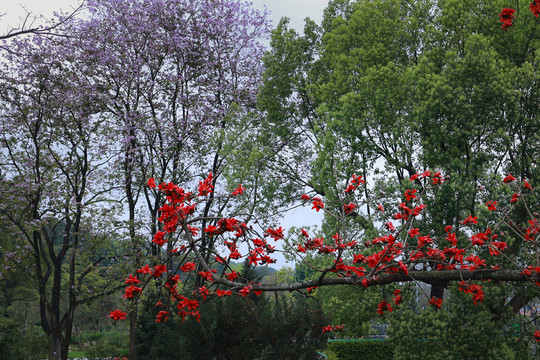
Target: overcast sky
{"type": "Point", "coordinates": [296, 10]}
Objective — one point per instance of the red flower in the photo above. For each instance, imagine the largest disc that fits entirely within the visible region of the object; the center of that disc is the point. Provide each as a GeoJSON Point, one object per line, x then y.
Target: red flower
{"type": "Point", "coordinates": [384, 305]}
{"type": "Point", "coordinates": [410, 194]}
{"type": "Point", "coordinates": [515, 198]}
{"type": "Point", "coordinates": [349, 208]}
{"type": "Point", "coordinates": [436, 302]}
{"type": "Point", "coordinates": [276, 234]}
{"type": "Point", "coordinates": [232, 276]}
{"type": "Point", "coordinates": [397, 297]}
{"type": "Point", "coordinates": [350, 188]}
{"type": "Point", "coordinates": [507, 15]}
{"type": "Point", "coordinates": [159, 269]}
{"type": "Point", "coordinates": [491, 205]}
{"type": "Point", "coordinates": [162, 316]}
{"type": "Point", "coordinates": [525, 182]}
{"type": "Point", "coordinates": [535, 9]}
{"type": "Point", "coordinates": [144, 270]}
{"type": "Point", "coordinates": [132, 280]}
{"type": "Point", "coordinates": [305, 197]}
{"type": "Point", "coordinates": [470, 220]}
{"type": "Point", "coordinates": [131, 290]}
{"type": "Point", "coordinates": [221, 293]}
{"type": "Point", "coordinates": [508, 178]}
{"type": "Point", "coordinates": [187, 267]}
{"type": "Point", "coordinates": [536, 335]}
{"type": "Point", "coordinates": [206, 186]}
{"type": "Point", "coordinates": [159, 239]}
{"type": "Point", "coordinates": [317, 204]}
{"type": "Point", "coordinates": [327, 328]}
{"type": "Point", "coordinates": [117, 315]}
{"type": "Point", "coordinates": [245, 291]}
{"type": "Point", "coordinates": [204, 292]}
{"type": "Point", "coordinates": [414, 232]}
{"type": "Point", "coordinates": [239, 190]}
{"type": "Point", "coordinates": [151, 183]}
{"type": "Point", "coordinates": [207, 275]}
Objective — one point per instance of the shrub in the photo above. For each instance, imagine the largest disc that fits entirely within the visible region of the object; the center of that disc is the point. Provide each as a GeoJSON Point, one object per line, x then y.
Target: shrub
{"type": "Point", "coordinates": [362, 349]}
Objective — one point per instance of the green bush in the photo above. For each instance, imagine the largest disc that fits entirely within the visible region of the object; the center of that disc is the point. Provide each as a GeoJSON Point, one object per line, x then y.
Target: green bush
{"type": "Point", "coordinates": [16, 343]}
{"type": "Point", "coordinates": [10, 335]}
{"type": "Point", "coordinates": [105, 345]}
{"type": "Point", "coordinates": [362, 349]}
{"type": "Point", "coordinates": [235, 328]}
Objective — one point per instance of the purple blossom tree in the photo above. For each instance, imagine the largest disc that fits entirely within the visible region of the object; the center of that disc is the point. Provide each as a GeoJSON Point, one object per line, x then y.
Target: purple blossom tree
{"type": "Point", "coordinates": [52, 156]}
{"type": "Point", "coordinates": [173, 74]}
{"type": "Point", "coordinates": [134, 90]}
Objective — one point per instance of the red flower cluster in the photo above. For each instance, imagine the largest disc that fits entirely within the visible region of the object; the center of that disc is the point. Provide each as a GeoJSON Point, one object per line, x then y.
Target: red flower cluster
{"type": "Point", "coordinates": [534, 6]}
{"type": "Point", "coordinates": [384, 305]}
{"type": "Point", "coordinates": [506, 17]}
{"type": "Point", "coordinates": [397, 297]}
{"type": "Point", "coordinates": [333, 328]}
{"type": "Point", "coordinates": [355, 182]}
{"type": "Point", "coordinates": [435, 302]}
{"type": "Point", "coordinates": [239, 190]}
{"type": "Point", "coordinates": [117, 315]}
{"type": "Point", "coordinates": [398, 248]}
{"type": "Point", "coordinates": [475, 290]}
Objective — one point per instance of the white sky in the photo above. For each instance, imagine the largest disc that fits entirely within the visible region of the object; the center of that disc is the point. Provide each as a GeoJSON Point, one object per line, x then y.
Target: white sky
{"type": "Point", "coordinates": [296, 10]}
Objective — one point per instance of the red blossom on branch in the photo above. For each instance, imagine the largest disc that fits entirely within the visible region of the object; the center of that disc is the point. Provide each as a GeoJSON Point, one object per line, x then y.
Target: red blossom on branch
{"type": "Point", "coordinates": [384, 306]}
{"type": "Point", "coordinates": [239, 190]}
{"type": "Point", "coordinates": [491, 205]}
{"type": "Point", "coordinates": [506, 16]}
{"type": "Point", "coordinates": [534, 6]}
{"type": "Point", "coordinates": [509, 178]}
{"type": "Point", "coordinates": [318, 204]}
{"type": "Point", "coordinates": [117, 315]}
{"type": "Point", "coordinates": [435, 302]}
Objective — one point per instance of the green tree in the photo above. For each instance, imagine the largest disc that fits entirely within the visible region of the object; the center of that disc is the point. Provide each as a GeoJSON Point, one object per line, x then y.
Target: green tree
{"type": "Point", "coordinates": [388, 89]}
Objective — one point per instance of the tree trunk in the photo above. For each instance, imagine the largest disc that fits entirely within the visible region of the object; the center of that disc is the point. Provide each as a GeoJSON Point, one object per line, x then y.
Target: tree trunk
{"type": "Point", "coordinates": [133, 333]}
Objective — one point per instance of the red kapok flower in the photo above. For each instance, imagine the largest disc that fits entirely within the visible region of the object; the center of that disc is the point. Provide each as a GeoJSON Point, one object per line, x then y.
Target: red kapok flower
{"type": "Point", "coordinates": [470, 220]}
{"type": "Point", "coordinates": [491, 205]}
{"type": "Point", "coordinates": [534, 6]}
{"type": "Point", "coordinates": [117, 315]}
{"type": "Point", "coordinates": [159, 239]}
{"type": "Point", "coordinates": [536, 335]}
{"type": "Point", "coordinates": [508, 178]}
{"type": "Point", "coordinates": [239, 190]}
{"type": "Point", "coordinates": [317, 204]}
{"type": "Point", "coordinates": [162, 316]}
{"type": "Point", "coordinates": [507, 15]}
{"type": "Point", "coordinates": [383, 305]}
{"type": "Point", "coordinates": [410, 194]}
{"type": "Point", "coordinates": [515, 198]}
{"type": "Point", "coordinates": [436, 302]}
{"type": "Point", "coordinates": [349, 208]}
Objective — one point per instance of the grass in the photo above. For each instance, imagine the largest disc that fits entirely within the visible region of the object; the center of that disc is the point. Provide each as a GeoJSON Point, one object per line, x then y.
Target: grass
{"type": "Point", "coordinates": [76, 354]}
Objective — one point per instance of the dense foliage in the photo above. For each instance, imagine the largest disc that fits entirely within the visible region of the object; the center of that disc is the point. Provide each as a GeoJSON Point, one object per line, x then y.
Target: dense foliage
{"type": "Point", "coordinates": [362, 349]}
